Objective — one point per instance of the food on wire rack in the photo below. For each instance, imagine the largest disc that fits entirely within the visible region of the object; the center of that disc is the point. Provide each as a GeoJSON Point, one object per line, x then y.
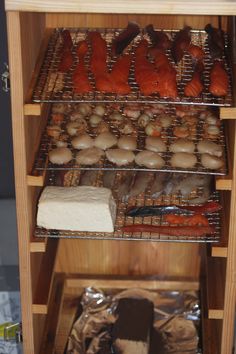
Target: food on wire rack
{"type": "Point", "coordinates": [149, 159]}
{"type": "Point", "coordinates": [167, 84]}
{"type": "Point", "coordinates": [120, 74]}
{"type": "Point", "coordinates": [88, 178]}
{"type": "Point", "coordinates": [125, 184]}
{"type": "Point", "coordinates": [140, 183]}
{"type": "Point", "coordinates": [182, 145]}
{"type": "Point", "coordinates": [60, 155]}
{"type": "Point", "coordinates": [127, 143]}
{"type": "Point", "coordinates": [105, 140]}
{"type": "Point", "coordinates": [108, 178]}
{"type": "Point", "coordinates": [191, 231]}
{"type": "Point", "coordinates": [89, 156]}
{"type": "Point", "coordinates": [82, 204]}
{"type": "Point", "coordinates": [77, 127]}
{"type": "Point", "coordinates": [181, 43]}
{"type": "Point", "coordinates": [95, 120]}
{"type": "Point", "coordinates": [80, 78]}
{"type": "Point", "coordinates": [196, 52]}
{"type": "Point", "coordinates": [155, 144]}
{"type": "Point", "coordinates": [219, 80]}
{"type": "Point", "coordinates": [195, 86]}
{"type": "Point", "coordinates": [145, 71]}
{"type": "Point", "coordinates": [209, 147]}
{"type": "Point", "coordinates": [66, 58]}
{"type": "Point", "coordinates": [152, 210]}
{"type": "Point", "coordinates": [125, 38]}
{"type": "Point", "coordinates": [216, 41]}
{"type": "Point", "coordinates": [120, 157]}
{"type": "Point", "coordinates": [190, 220]}
{"type": "Point", "coordinates": [159, 39]}
{"type": "Point", "coordinates": [211, 162]}
{"type": "Point", "coordinates": [183, 160]}
{"type": "Point", "coordinates": [82, 141]}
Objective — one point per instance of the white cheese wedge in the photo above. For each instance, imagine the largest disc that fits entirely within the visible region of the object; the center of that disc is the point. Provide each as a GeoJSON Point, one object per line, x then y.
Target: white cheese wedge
{"type": "Point", "coordinates": [77, 209]}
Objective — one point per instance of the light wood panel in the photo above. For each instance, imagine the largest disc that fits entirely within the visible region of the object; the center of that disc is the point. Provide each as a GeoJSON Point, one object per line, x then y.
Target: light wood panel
{"type": "Point", "coordinates": [113, 20]}
{"type": "Point", "coordinates": [15, 61]}
{"type": "Point", "coordinates": [120, 283]}
{"type": "Point", "coordinates": [173, 260]}
{"type": "Point", "coordinates": [201, 7]}
{"type": "Point", "coordinates": [230, 284]}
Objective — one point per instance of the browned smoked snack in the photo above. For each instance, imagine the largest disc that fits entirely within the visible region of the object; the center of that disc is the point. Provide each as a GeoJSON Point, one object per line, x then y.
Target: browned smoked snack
{"type": "Point", "coordinates": [181, 43]}
{"type": "Point", "coordinates": [80, 76]}
{"type": "Point", "coordinates": [159, 39]}
{"type": "Point", "coordinates": [125, 38]}
{"type": "Point", "coordinates": [145, 72]}
{"type": "Point", "coordinates": [219, 80]}
{"type": "Point", "coordinates": [216, 41]}
{"type": "Point", "coordinates": [195, 86]}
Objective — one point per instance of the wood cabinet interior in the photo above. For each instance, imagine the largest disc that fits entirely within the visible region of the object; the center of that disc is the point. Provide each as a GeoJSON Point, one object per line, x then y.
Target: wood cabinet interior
{"type": "Point", "coordinates": [168, 261]}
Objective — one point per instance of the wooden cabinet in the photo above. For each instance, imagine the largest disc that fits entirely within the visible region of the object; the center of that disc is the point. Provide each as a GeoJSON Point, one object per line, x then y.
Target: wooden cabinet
{"type": "Point", "coordinates": [52, 270]}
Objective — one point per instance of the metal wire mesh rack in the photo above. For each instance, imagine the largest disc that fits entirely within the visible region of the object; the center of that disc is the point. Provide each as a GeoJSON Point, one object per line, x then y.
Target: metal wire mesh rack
{"type": "Point", "coordinates": [142, 199]}
{"type": "Point", "coordinates": [198, 133]}
{"type": "Point", "coordinates": [53, 85]}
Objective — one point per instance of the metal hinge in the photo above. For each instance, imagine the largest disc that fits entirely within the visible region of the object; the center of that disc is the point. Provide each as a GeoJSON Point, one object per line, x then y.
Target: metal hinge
{"type": "Point", "coordinates": [11, 331]}
{"type": "Point", "coordinates": [5, 77]}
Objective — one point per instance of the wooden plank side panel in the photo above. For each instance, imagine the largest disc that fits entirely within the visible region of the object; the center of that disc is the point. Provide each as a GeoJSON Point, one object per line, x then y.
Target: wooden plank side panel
{"type": "Point", "coordinates": [15, 61]}
{"type": "Point", "coordinates": [120, 21]}
{"type": "Point", "coordinates": [230, 284]}
{"type": "Point", "coordinates": [201, 7]}
{"type": "Point", "coordinates": [173, 260]}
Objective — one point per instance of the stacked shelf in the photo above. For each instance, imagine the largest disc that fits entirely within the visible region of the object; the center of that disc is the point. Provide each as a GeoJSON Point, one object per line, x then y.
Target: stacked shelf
{"type": "Point", "coordinates": [55, 299]}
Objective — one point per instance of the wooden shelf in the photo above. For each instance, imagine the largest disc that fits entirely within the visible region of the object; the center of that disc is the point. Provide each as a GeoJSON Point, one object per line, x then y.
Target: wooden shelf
{"type": "Point", "coordinates": [107, 282]}
{"type": "Point", "coordinates": [36, 181]}
{"type": "Point", "coordinates": [228, 113]}
{"type": "Point", "coordinates": [174, 7]}
{"type": "Point", "coordinates": [223, 183]}
{"type": "Point", "coordinates": [38, 244]}
{"type": "Point", "coordinates": [32, 109]}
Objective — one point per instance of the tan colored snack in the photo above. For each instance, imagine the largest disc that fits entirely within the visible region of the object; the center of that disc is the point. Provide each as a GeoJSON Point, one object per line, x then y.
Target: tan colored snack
{"type": "Point", "coordinates": [89, 156]}
{"type": "Point", "coordinates": [183, 160]}
{"type": "Point", "coordinates": [209, 147]}
{"type": "Point", "coordinates": [60, 155]}
{"type": "Point", "coordinates": [54, 131]}
{"type": "Point", "coordinates": [182, 145]}
{"type": "Point", "coordinates": [77, 127]}
{"type": "Point", "coordinates": [155, 144]}
{"type": "Point", "coordinates": [127, 143]}
{"type": "Point", "coordinates": [149, 159]}
{"type": "Point", "coordinates": [120, 157]}
{"type": "Point", "coordinates": [211, 162]}
{"type": "Point", "coordinates": [105, 140]}
{"type": "Point", "coordinates": [82, 141]}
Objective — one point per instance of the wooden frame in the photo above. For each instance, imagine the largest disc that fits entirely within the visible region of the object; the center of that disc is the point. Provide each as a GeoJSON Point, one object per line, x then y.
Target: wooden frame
{"type": "Point", "coordinates": [179, 262]}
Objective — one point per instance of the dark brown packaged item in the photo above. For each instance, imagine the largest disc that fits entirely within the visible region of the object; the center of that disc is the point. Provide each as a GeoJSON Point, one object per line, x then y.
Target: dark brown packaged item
{"type": "Point", "coordinates": [131, 331]}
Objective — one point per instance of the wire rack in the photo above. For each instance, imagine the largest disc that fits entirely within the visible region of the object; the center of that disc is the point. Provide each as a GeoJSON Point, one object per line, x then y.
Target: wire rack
{"type": "Point", "coordinates": [53, 85]}
{"type": "Point", "coordinates": [197, 134]}
{"type": "Point", "coordinates": [122, 220]}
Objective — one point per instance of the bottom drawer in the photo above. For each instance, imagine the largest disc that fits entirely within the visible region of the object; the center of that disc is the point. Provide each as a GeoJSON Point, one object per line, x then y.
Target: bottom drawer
{"type": "Point", "coordinates": [64, 305]}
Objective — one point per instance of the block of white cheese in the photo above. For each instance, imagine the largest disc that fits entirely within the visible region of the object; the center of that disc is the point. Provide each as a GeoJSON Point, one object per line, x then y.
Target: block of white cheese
{"type": "Point", "coordinates": [77, 209]}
